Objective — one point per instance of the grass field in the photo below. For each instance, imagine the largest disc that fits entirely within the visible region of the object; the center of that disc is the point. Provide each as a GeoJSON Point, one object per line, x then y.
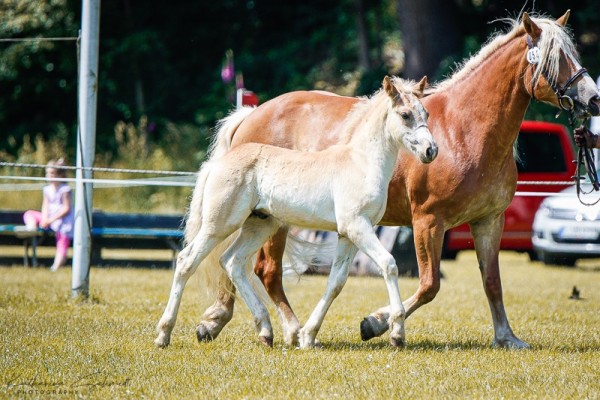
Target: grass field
{"type": "Point", "coordinates": [55, 347]}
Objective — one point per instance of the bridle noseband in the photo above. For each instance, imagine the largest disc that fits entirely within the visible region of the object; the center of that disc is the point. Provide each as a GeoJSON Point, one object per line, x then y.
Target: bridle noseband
{"type": "Point", "coordinates": [565, 102]}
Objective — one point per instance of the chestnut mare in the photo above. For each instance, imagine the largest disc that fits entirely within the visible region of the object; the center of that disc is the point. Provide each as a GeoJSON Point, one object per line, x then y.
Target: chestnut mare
{"type": "Point", "coordinates": [474, 117]}
{"type": "Point", "coordinates": [259, 188]}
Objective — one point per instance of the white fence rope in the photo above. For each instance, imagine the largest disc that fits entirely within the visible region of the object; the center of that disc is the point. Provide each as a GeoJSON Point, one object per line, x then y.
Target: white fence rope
{"type": "Point", "coordinates": [179, 179]}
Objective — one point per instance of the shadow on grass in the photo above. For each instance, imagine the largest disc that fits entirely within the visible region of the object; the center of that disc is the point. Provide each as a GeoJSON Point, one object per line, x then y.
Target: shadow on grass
{"type": "Point", "coordinates": [428, 345]}
{"type": "Point", "coordinates": [418, 345]}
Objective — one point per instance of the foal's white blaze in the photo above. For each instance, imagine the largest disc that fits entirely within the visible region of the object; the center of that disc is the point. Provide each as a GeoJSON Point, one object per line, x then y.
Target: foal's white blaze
{"type": "Point", "coordinates": [259, 188]}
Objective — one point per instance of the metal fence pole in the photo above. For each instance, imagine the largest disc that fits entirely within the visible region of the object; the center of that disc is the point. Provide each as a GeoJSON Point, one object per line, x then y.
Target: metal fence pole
{"type": "Point", "coordinates": [86, 145]}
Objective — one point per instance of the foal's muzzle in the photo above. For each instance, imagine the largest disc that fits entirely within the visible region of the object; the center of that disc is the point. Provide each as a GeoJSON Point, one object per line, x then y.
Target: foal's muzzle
{"type": "Point", "coordinates": [430, 153]}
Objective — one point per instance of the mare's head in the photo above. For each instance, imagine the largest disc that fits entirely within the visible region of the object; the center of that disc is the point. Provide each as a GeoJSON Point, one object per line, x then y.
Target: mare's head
{"type": "Point", "coordinates": [407, 119]}
{"type": "Point", "coordinates": [555, 76]}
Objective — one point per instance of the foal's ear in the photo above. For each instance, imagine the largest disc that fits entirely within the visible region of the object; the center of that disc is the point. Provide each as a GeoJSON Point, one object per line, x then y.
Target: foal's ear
{"type": "Point", "coordinates": [389, 87]}
{"type": "Point", "coordinates": [420, 87]}
{"type": "Point", "coordinates": [562, 21]}
{"type": "Point", "coordinates": [531, 27]}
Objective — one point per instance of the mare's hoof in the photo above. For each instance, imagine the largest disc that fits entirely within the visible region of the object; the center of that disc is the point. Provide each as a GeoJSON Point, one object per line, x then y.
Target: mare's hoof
{"type": "Point", "coordinates": [512, 344]}
{"type": "Point", "coordinates": [366, 328]}
{"type": "Point", "coordinates": [266, 340]}
{"type": "Point", "coordinates": [203, 335]}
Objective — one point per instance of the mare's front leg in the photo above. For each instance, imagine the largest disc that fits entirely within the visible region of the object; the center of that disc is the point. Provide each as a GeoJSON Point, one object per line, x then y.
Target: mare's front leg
{"type": "Point", "coordinates": [428, 238]}
{"type": "Point", "coordinates": [487, 235]}
{"type": "Point", "coordinates": [269, 270]}
{"type": "Point", "coordinates": [338, 275]}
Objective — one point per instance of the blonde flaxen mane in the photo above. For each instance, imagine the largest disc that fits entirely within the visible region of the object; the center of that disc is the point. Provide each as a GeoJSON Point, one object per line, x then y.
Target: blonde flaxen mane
{"type": "Point", "coordinates": [554, 39]}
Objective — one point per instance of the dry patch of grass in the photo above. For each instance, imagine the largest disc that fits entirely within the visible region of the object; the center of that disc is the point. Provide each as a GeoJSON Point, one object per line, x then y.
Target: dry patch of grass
{"type": "Point", "coordinates": [53, 346]}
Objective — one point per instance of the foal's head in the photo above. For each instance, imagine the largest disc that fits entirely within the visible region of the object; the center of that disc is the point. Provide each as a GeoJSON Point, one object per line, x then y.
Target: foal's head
{"type": "Point", "coordinates": [407, 119]}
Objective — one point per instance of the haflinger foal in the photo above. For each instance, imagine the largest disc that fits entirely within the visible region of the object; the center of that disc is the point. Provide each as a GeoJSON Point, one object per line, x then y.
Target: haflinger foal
{"type": "Point", "coordinates": [260, 188]}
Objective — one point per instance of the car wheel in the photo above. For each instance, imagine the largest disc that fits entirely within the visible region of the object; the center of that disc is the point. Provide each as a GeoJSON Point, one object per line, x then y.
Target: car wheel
{"type": "Point", "coordinates": [533, 256]}
{"type": "Point", "coordinates": [557, 259]}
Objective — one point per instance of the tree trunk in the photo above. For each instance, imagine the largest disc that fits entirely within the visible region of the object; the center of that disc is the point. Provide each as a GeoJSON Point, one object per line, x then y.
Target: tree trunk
{"type": "Point", "coordinates": [429, 34]}
{"type": "Point", "coordinates": [364, 61]}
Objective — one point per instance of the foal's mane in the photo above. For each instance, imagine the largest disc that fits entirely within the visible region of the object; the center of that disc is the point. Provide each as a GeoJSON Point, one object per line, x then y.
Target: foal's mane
{"type": "Point", "coordinates": [554, 38]}
{"type": "Point", "coordinates": [375, 104]}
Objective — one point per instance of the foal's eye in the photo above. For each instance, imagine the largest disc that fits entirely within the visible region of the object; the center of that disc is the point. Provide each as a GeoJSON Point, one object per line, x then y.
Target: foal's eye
{"type": "Point", "coordinates": [405, 116]}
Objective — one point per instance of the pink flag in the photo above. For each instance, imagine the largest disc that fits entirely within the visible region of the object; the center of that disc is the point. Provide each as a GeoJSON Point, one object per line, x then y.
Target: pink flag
{"type": "Point", "coordinates": [227, 70]}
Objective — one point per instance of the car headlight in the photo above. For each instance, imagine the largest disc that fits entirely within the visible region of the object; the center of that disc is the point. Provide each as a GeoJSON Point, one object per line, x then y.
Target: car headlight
{"type": "Point", "coordinates": [545, 210]}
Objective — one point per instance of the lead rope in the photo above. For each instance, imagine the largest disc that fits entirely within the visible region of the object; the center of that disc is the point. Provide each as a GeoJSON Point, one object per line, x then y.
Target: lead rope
{"type": "Point", "coordinates": [585, 158]}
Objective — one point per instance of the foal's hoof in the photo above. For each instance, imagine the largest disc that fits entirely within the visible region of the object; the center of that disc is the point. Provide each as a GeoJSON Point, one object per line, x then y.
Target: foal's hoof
{"type": "Point", "coordinates": [203, 335]}
{"type": "Point", "coordinates": [366, 328]}
{"type": "Point", "coordinates": [161, 342]}
{"type": "Point", "coordinates": [396, 342]}
{"type": "Point", "coordinates": [266, 340]}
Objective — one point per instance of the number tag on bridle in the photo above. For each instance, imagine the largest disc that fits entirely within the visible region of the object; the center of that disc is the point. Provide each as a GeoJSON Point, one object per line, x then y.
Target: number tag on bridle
{"type": "Point", "coordinates": [533, 55]}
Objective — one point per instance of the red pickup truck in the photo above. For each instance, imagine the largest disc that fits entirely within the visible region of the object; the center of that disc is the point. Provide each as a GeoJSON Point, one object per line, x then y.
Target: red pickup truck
{"type": "Point", "coordinates": [546, 153]}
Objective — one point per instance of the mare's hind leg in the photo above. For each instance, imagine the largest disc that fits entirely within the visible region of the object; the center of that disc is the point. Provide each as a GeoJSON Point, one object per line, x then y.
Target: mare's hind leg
{"type": "Point", "coordinates": [345, 253]}
{"type": "Point", "coordinates": [487, 234]}
{"type": "Point", "coordinates": [429, 237]}
{"type": "Point", "coordinates": [187, 263]}
{"type": "Point", "coordinates": [269, 270]}
{"type": "Point", "coordinates": [253, 234]}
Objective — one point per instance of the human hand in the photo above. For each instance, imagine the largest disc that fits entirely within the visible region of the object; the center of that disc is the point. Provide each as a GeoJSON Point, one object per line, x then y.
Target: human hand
{"type": "Point", "coordinates": [584, 138]}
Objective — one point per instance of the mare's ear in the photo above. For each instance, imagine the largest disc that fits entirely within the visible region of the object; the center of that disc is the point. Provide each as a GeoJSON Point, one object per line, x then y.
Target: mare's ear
{"type": "Point", "coordinates": [389, 88]}
{"type": "Point", "coordinates": [562, 21]}
{"type": "Point", "coordinates": [531, 27]}
{"type": "Point", "coordinates": [420, 87]}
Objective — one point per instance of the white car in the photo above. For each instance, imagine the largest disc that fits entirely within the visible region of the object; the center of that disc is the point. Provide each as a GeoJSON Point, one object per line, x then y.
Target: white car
{"type": "Point", "coordinates": [565, 230]}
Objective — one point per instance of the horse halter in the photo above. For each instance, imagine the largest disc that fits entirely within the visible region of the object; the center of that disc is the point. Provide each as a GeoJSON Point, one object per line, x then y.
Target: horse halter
{"type": "Point", "coordinates": [565, 102]}
{"type": "Point", "coordinates": [584, 156]}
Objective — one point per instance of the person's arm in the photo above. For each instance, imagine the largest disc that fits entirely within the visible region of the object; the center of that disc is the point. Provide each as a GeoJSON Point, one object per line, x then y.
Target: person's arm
{"type": "Point", "coordinates": [64, 209]}
{"type": "Point", "coordinates": [44, 221]}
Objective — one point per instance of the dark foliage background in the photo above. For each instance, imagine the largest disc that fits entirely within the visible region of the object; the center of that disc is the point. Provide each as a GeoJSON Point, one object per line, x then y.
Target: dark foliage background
{"type": "Point", "coordinates": [160, 62]}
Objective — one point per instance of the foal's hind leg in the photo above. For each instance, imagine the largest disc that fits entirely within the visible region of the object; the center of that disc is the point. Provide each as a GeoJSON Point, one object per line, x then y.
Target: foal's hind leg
{"type": "Point", "coordinates": [345, 253]}
{"type": "Point", "coordinates": [269, 270]}
{"type": "Point", "coordinates": [253, 234]}
{"type": "Point", "coordinates": [187, 263]}
{"type": "Point", "coordinates": [220, 312]}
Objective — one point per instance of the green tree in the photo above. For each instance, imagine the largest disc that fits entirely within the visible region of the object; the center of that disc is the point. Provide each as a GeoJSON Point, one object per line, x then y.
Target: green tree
{"type": "Point", "coordinates": [38, 79]}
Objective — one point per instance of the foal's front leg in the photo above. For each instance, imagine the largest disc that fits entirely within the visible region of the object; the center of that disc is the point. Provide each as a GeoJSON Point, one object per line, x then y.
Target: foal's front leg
{"type": "Point", "coordinates": [365, 238]}
{"type": "Point", "coordinates": [428, 237]}
{"type": "Point", "coordinates": [345, 253]}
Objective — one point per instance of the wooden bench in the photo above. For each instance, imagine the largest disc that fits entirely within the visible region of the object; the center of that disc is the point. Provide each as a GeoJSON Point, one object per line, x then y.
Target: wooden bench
{"type": "Point", "coordinates": [109, 231]}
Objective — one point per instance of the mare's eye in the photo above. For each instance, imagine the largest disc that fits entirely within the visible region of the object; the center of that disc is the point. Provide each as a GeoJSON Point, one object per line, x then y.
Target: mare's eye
{"type": "Point", "coordinates": [405, 116]}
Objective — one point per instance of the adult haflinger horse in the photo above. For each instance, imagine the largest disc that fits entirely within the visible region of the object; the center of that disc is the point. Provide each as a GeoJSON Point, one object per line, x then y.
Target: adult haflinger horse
{"type": "Point", "coordinates": [259, 188]}
{"type": "Point", "coordinates": [475, 117]}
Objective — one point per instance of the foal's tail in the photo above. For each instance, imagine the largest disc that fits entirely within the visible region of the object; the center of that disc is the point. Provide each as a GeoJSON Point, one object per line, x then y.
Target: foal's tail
{"type": "Point", "coordinates": [219, 146]}
{"type": "Point", "coordinates": [214, 278]}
